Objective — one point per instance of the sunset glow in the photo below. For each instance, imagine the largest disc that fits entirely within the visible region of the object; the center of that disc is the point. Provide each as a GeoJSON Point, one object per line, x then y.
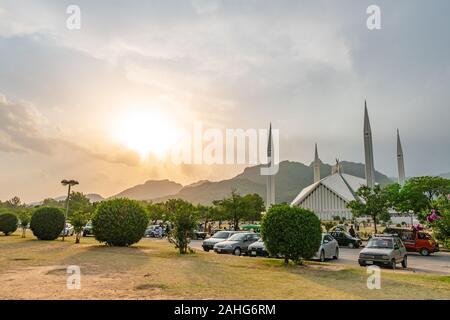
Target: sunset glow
{"type": "Point", "coordinates": [146, 131]}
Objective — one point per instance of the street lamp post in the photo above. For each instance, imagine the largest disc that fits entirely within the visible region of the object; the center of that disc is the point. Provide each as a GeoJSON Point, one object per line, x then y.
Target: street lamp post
{"type": "Point", "coordinates": [69, 183]}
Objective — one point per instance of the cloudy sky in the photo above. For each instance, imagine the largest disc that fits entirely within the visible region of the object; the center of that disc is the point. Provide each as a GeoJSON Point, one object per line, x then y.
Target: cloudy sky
{"type": "Point", "coordinates": [72, 101]}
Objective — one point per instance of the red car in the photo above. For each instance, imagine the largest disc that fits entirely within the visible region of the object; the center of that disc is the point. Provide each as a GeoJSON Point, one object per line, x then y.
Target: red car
{"type": "Point", "coordinates": [415, 241]}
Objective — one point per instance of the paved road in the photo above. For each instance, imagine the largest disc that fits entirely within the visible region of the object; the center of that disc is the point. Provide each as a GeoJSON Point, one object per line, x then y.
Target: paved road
{"type": "Point", "coordinates": [438, 263]}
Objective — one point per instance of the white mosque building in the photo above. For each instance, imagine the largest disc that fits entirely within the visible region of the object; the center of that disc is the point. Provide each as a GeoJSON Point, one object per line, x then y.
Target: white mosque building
{"type": "Point", "coordinates": [329, 196]}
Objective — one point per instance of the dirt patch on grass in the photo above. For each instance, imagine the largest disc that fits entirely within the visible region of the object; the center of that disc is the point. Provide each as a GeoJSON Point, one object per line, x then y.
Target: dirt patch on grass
{"type": "Point", "coordinates": [327, 267]}
{"type": "Point", "coordinates": [150, 286]}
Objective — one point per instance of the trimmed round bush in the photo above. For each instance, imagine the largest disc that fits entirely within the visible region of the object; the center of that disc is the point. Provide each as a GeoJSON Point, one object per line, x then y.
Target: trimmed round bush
{"type": "Point", "coordinates": [8, 223]}
{"type": "Point", "coordinates": [291, 232]}
{"type": "Point", "coordinates": [47, 223]}
{"type": "Point", "coordinates": [119, 222]}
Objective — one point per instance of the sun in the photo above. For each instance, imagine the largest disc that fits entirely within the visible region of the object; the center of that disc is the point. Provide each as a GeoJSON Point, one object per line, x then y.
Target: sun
{"type": "Point", "coordinates": [146, 131]}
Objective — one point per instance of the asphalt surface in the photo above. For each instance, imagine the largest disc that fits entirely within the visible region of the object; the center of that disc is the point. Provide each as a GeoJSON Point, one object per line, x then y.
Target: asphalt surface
{"type": "Point", "coordinates": [437, 263]}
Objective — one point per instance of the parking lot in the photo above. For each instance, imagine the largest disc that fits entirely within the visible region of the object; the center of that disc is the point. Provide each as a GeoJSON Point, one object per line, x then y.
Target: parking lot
{"type": "Point", "coordinates": [438, 263]}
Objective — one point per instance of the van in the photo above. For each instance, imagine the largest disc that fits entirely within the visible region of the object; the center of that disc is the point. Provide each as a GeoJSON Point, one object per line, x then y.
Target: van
{"type": "Point", "coordinates": [415, 241]}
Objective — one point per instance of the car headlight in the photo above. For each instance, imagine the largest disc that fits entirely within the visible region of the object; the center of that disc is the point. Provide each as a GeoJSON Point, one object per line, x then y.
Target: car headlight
{"type": "Point", "coordinates": [385, 257]}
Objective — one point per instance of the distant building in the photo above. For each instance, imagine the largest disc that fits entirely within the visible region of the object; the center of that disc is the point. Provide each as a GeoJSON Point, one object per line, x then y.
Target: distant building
{"type": "Point", "coordinates": [329, 196]}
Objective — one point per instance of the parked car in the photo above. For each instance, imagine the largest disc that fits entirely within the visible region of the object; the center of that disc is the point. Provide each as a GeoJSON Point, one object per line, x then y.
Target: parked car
{"type": "Point", "coordinates": [68, 230]}
{"type": "Point", "coordinates": [329, 248]}
{"type": "Point", "coordinates": [200, 235]}
{"type": "Point", "coordinates": [152, 231]}
{"type": "Point", "coordinates": [345, 239]}
{"type": "Point", "coordinates": [87, 229]}
{"type": "Point", "coordinates": [237, 244]}
{"type": "Point", "coordinates": [257, 249]}
{"type": "Point", "coordinates": [217, 237]}
{"type": "Point", "coordinates": [415, 241]}
{"type": "Point", "coordinates": [384, 250]}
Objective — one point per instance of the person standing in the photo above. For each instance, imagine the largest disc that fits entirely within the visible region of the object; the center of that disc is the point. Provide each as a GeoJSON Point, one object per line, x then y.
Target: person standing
{"type": "Point", "coordinates": [352, 231]}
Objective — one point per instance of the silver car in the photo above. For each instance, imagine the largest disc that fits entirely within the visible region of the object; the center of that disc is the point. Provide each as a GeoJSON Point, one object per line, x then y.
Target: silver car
{"type": "Point", "coordinates": [384, 250]}
{"type": "Point", "coordinates": [237, 244]}
{"type": "Point", "coordinates": [219, 236]}
{"type": "Point", "coordinates": [329, 248]}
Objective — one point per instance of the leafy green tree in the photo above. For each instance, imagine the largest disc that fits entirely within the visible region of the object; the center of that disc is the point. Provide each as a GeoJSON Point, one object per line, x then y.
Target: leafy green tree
{"type": "Point", "coordinates": [254, 205]}
{"type": "Point", "coordinates": [119, 222]}
{"type": "Point", "coordinates": [237, 207]}
{"type": "Point", "coordinates": [156, 211]}
{"type": "Point", "coordinates": [441, 226]}
{"type": "Point", "coordinates": [8, 223]}
{"type": "Point", "coordinates": [24, 219]}
{"type": "Point", "coordinates": [47, 223]}
{"type": "Point", "coordinates": [183, 216]}
{"type": "Point", "coordinates": [417, 195]}
{"type": "Point", "coordinates": [78, 221]}
{"type": "Point", "coordinates": [14, 202]}
{"type": "Point", "coordinates": [432, 187]}
{"type": "Point", "coordinates": [291, 232]}
{"type": "Point", "coordinates": [50, 202]}
{"type": "Point", "coordinates": [372, 202]}
{"type": "Point", "coordinates": [79, 203]}
{"type": "Point", "coordinates": [328, 225]}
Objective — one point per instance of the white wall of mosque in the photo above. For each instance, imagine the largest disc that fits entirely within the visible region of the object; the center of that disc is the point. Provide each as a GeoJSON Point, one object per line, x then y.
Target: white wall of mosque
{"type": "Point", "coordinates": [326, 204]}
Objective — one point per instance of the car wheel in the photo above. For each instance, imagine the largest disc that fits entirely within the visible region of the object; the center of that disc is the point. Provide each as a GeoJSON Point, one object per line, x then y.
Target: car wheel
{"type": "Point", "coordinates": [405, 262]}
{"type": "Point", "coordinates": [351, 245]}
{"type": "Point", "coordinates": [362, 264]}
{"type": "Point", "coordinates": [237, 252]}
{"type": "Point", "coordinates": [424, 252]}
{"type": "Point", "coordinates": [322, 256]}
{"type": "Point", "coordinates": [393, 264]}
{"type": "Point", "coordinates": [336, 254]}
{"type": "Point", "coordinates": [206, 249]}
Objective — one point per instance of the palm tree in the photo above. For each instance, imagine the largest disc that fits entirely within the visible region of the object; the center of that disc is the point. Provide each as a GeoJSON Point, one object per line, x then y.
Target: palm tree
{"type": "Point", "coordinates": [69, 183]}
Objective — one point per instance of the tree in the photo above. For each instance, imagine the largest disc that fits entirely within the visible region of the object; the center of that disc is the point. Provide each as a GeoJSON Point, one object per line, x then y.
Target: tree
{"type": "Point", "coordinates": [14, 202]}
{"type": "Point", "coordinates": [50, 202]}
{"type": "Point", "coordinates": [79, 203]}
{"type": "Point", "coordinates": [254, 205]}
{"type": "Point", "coordinates": [432, 187]}
{"type": "Point", "coordinates": [405, 199]}
{"type": "Point", "coordinates": [47, 223]}
{"type": "Point", "coordinates": [79, 220]}
{"type": "Point", "coordinates": [184, 220]}
{"type": "Point", "coordinates": [372, 202]}
{"type": "Point", "coordinates": [291, 232]}
{"type": "Point", "coordinates": [8, 223]}
{"type": "Point", "coordinates": [328, 225]}
{"type": "Point", "coordinates": [24, 219]}
{"type": "Point", "coordinates": [119, 222]}
{"type": "Point", "coordinates": [156, 211]}
{"type": "Point", "coordinates": [417, 195]}
{"type": "Point", "coordinates": [237, 207]}
{"type": "Point", "coordinates": [441, 226]}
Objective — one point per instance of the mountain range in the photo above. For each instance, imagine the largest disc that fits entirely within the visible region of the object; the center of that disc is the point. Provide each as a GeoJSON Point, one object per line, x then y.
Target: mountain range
{"type": "Point", "coordinates": [291, 178]}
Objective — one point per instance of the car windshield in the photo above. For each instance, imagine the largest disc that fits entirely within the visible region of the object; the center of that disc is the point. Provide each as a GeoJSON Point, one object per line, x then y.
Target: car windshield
{"type": "Point", "coordinates": [380, 243]}
{"type": "Point", "coordinates": [221, 235]}
{"type": "Point", "coordinates": [238, 237]}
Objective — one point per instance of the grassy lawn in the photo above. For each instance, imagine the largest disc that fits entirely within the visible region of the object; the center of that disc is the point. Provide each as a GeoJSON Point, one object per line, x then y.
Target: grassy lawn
{"type": "Point", "coordinates": [152, 269]}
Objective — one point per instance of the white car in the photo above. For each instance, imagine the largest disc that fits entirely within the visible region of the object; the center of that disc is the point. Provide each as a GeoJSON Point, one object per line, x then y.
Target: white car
{"type": "Point", "coordinates": [329, 248]}
{"type": "Point", "coordinates": [68, 230]}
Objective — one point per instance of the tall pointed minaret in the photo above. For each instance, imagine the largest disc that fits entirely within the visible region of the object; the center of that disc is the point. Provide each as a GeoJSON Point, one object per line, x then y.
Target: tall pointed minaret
{"type": "Point", "coordinates": [270, 184]}
{"type": "Point", "coordinates": [368, 150]}
{"type": "Point", "coordinates": [400, 161]}
{"type": "Point", "coordinates": [316, 166]}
